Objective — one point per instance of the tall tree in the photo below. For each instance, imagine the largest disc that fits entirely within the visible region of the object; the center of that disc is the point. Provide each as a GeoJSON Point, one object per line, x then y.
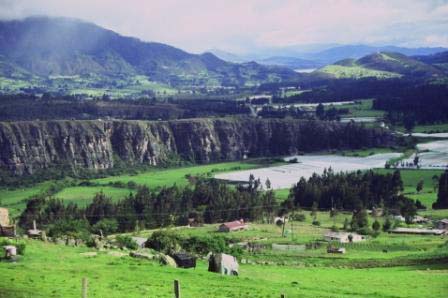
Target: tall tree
{"type": "Point", "coordinates": [442, 195]}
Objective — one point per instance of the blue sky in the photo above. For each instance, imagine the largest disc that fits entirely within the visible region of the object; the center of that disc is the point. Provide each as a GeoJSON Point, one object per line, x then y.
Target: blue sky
{"type": "Point", "coordinates": [243, 26]}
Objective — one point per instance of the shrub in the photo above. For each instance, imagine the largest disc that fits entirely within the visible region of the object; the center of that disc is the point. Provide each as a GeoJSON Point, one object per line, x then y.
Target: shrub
{"type": "Point", "coordinates": [164, 241]}
{"type": "Point", "coordinates": [106, 225]}
{"type": "Point", "coordinates": [21, 246]}
{"type": "Point", "coordinates": [299, 217]}
{"type": "Point", "coordinates": [75, 228]}
{"type": "Point", "coordinates": [316, 222]}
{"type": "Point", "coordinates": [126, 241]}
{"type": "Point", "coordinates": [203, 245]}
{"type": "Point", "coordinates": [376, 226]}
{"type": "Point", "coordinates": [387, 225]}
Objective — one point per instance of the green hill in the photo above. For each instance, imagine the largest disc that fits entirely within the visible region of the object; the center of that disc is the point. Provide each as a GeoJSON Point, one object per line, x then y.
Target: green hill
{"type": "Point", "coordinates": [49, 48]}
{"type": "Point", "coordinates": [382, 65]}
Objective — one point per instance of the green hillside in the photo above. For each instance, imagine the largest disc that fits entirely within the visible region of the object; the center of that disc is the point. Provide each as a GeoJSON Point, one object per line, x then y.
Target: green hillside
{"type": "Point", "coordinates": [38, 51]}
{"type": "Point", "coordinates": [383, 65]}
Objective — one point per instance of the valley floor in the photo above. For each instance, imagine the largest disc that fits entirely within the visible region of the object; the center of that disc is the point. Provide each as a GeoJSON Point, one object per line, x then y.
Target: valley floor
{"type": "Point", "coordinates": [50, 270]}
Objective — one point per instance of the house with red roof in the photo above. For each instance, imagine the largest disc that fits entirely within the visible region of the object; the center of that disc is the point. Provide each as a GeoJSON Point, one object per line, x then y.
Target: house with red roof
{"type": "Point", "coordinates": [231, 226]}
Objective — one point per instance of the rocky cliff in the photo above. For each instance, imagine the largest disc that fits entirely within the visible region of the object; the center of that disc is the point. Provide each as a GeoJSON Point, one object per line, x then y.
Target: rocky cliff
{"type": "Point", "coordinates": [28, 146]}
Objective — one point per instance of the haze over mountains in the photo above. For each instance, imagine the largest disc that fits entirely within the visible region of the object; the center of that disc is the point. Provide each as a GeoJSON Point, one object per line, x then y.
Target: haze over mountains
{"type": "Point", "coordinates": [69, 56]}
{"type": "Point", "coordinates": [47, 47]}
{"type": "Point", "coordinates": [319, 55]}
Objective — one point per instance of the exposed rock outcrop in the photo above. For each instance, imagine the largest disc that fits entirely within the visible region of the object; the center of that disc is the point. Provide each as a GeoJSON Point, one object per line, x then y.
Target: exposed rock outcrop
{"type": "Point", "coordinates": [27, 146]}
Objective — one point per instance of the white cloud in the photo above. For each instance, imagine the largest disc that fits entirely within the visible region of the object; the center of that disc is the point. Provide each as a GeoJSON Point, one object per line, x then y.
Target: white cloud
{"type": "Point", "coordinates": [239, 25]}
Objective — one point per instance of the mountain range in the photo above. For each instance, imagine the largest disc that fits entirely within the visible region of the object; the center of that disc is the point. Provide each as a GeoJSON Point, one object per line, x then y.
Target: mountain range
{"type": "Point", "coordinates": [297, 58]}
{"type": "Point", "coordinates": [43, 49]}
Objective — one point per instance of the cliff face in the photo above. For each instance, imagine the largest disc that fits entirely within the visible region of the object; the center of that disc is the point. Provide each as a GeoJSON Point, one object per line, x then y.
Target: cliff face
{"type": "Point", "coordinates": [28, 146]}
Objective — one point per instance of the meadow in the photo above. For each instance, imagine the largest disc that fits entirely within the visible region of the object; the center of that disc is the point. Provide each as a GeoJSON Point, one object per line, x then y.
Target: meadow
{"type": "Point", "coordinates": [50, 270]}
{"type": "Point", "coordinates": [15, 200]}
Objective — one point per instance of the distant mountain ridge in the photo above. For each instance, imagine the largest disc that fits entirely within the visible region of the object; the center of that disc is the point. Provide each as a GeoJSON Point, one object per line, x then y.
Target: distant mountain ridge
{"type": "Point", "coordinates": [318, 58]}
{"type": "Point", "coordinates": [389, 65]}
{"type": "Point", "coordinates": [42, 47]}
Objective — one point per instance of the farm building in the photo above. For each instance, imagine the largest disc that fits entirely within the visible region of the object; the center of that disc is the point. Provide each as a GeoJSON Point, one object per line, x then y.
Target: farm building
{"type": "Point", "coordinates": [418, 231]}
{"type": "Point", "coordinates": [443, 224]}
{"type": "Point", "coordinates": [6, 229]}
{"type": "Point", "coordinates": [184, 260]}
{"type": "Point", "coordinates": [343, 237]}
{"type": "Point", "coordinates": [236, 225]}
{"type": "Point", "coordinates": [224, 264]}
{"type": "Point", "coordinates": [4, 217]}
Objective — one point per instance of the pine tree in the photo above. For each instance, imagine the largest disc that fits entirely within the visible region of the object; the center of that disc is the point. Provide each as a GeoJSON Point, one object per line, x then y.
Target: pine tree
{"type": "Point", "coordinates": [442, 195]}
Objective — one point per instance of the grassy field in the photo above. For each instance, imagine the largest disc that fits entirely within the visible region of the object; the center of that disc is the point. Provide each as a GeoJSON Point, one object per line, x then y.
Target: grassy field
{"type": "Point", "coordinates": [362, 108]}
{"type": "Point", "coordinates": [157, 178]}
{"type": "Point", "coordinates": [410, 179]}
{"type": "Point", "coordinates": [49, 270]}
{"type": "Point", "coordinates": [82, 195]}
{"type": "Point", "coordinates": [433, 128]}
{"type": "Point", "coordinates": [15, 200]}
{"type": "Point", "coordinates": [356, 72]}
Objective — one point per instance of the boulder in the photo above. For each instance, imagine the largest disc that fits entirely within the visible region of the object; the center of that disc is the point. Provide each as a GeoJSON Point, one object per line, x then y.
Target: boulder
{"type": "Point", "coordinates": [167, 260]}
{"type": "Point", "coordinates": [141, 255]}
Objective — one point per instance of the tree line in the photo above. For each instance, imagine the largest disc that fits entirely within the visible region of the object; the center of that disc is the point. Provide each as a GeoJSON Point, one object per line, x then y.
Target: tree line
{"type": "Point", "coordinates": [212, 201]}
{"type": "Point", "coordinates": [353, 191]}
{"type": "Point", "coordinates": [208, 201]}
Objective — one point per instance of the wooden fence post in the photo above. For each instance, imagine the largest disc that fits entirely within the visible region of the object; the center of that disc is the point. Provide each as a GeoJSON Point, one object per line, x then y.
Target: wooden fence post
{"type": "Point", "coordinates": [85, 285]}
{"type": "Point", "coordinates": [176, 289]}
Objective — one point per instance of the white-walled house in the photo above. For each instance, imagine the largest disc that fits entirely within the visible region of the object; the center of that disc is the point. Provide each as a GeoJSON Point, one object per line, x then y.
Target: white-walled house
{"type": "Point", "coordinates": [344, 237]}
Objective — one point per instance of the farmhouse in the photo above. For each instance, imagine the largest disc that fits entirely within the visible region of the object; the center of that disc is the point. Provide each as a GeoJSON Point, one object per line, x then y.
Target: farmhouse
{"type": "Point", "coordinates": [443, 224]}
{"type": "Point", "coordinates": [236, 225]}
{"type": "Point", "coordinates": [343, 237]}
{"type": "Point", "coordinates": [6, 229]}
{"type": "Point", "coordinates": [418, 231]}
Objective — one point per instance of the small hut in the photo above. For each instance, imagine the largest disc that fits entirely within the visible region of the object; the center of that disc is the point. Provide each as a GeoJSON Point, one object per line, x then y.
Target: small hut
{"type": "Point", "coordinates": [224, 264]}
{"type": "Point", "coordinates": [4, 217]}
{"type": "Point", "coordinates": [6, 229]}
{"type": "Point", "coordinates": [184, 260]}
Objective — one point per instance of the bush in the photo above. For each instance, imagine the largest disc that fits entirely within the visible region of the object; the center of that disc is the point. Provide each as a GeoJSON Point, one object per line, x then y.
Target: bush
{"type": "Point", "coordinates": [203, 245]}
{"type": "Point", "coordinates": [106, 225]}
{"type": "Point", "coordinates": [316, 222]}
{"type": "Point", "coordinates": [299, 217]}
{"type": "Point", "coordinates": [75, 228]}
{"type": "Point", "coordinates": [387, 225]}
{"type": "Point", "coordinates": [364, 231]}
{"type": "Point", "coordinates": [21, 246]}
{"type": "Point", "coordinates": [164, 241]}
{"type": "Point", "coordinates": [126, 241]}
